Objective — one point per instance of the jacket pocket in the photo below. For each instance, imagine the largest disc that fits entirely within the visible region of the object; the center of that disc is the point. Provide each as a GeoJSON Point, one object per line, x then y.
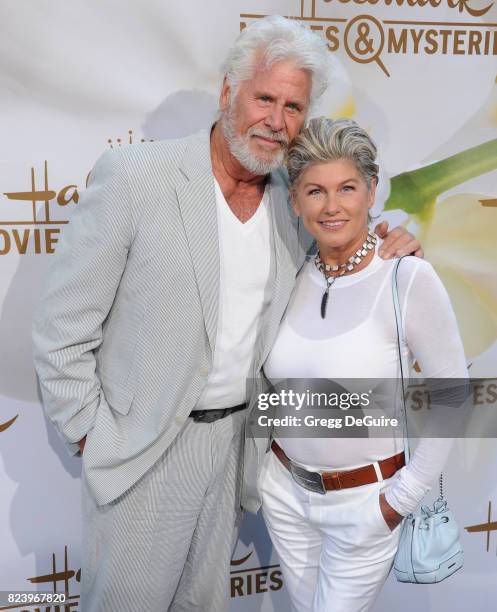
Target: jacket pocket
{"type": "Point", "coordinates": [117, 395]}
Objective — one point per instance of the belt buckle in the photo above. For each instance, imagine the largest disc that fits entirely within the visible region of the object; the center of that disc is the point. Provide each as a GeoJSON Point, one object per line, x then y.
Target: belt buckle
{"type": "Point", "coordinates": [313, 481]}
{"type": "Point", "coordinates": [206, 416]}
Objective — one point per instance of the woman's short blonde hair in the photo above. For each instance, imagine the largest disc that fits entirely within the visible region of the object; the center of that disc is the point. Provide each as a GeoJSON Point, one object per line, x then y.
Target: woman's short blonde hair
{"type": "Point", "coordinates": [325, 140]}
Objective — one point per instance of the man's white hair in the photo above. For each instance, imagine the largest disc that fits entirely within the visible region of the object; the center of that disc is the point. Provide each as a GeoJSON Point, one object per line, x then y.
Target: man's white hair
{"type": "Point", "coordinates": [275, 39]}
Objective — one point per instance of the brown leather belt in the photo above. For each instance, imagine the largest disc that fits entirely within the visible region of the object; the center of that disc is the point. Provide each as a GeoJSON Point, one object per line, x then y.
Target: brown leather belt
{"type": "Point", "coordinates": [321, 482]}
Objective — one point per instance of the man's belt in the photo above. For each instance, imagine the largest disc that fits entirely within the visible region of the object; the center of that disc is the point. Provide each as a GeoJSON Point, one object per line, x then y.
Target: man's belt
{"type": "Point", "coordinates": [320, 482]}
{"type": "Point", "coordinates": [209, 416]}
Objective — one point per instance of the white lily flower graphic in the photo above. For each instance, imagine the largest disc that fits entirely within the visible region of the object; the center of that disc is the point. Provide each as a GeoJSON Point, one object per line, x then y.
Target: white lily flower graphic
{"type": "Point", "coordinates": [459, 234]}
{"type": "Point", "coordinates": [461, 243]}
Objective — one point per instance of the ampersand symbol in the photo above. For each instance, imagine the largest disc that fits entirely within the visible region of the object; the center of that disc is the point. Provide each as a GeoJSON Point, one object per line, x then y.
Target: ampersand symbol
{"type": "Point", "coordinates": [360, 45]}
{"type": "Point", "coordinates": [363, 44]}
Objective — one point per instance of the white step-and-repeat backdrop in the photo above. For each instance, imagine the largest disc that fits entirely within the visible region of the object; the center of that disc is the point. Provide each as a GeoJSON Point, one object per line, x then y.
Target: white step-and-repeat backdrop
{"type": "Point", "coordinates": [78, 77]}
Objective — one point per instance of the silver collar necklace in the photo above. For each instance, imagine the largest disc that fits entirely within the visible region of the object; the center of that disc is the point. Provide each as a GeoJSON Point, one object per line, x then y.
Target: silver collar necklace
{"type": "Point", "coordinates": [329, 271]}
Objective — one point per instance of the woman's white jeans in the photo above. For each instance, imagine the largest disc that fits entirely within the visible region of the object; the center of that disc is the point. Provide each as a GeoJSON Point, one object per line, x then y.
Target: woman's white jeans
{"type": "Point", "coordinates": [335, 550]}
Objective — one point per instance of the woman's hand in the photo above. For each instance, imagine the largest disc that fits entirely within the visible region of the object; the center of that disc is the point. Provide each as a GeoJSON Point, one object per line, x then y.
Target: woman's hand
{"type": "Point", "coordinates": [391, 516]}
{"type": "Point", "coordinates": [397, 242]}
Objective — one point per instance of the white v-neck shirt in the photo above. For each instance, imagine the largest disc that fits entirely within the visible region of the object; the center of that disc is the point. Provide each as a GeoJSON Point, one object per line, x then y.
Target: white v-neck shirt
{"type": "Point", "coordinates": [245, 265]}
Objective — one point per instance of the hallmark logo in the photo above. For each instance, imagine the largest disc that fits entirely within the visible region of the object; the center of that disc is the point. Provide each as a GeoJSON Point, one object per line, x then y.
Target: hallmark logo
{"type": "Point", "coordinates": [7, 424]}
{"type": "Point", "coordinates": [254, 580]}
{"type": "Point", "coordinates": [58, 581]}
{"type": "Point", "coordinates": [36, 229]}
{"type": "Point", "coordinates": [485, 527]}
{"type": "Point", "coordinates": [367, 39]}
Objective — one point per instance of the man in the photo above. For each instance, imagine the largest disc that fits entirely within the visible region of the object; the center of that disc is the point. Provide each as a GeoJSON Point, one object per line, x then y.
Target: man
{"type": "Point", "coordinates": [164, 297]}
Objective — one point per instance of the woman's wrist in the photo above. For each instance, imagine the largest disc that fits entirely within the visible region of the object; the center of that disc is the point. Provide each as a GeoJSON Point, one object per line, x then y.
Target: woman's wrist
{"type": "Point", "coordinates": [391, 516]}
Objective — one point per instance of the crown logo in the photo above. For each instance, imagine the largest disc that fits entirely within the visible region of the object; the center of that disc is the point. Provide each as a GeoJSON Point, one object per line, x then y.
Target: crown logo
{"type": "Point", "coordinates": [129, 140]}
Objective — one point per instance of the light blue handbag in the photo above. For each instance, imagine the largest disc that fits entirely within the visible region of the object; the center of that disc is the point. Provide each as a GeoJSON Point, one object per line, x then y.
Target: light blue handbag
{"type": "Point", "coordinates": [429, 548]}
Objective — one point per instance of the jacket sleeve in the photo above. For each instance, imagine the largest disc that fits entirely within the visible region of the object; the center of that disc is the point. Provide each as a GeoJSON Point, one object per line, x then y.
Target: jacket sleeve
{"type": "Point", "coordinates": [82, 282]}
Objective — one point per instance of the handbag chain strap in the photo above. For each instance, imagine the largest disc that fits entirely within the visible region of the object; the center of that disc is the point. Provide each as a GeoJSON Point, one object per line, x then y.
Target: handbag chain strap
{"type": "Point", "coordinates": [400, 338]}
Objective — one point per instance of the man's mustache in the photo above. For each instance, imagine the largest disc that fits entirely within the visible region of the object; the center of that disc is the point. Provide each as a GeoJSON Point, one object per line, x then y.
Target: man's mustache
{"type": "Point", "coordinates": [276, 136]}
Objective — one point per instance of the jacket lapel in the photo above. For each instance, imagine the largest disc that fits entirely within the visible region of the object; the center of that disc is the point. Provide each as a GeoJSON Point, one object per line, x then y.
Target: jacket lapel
{"type": "Point", "coordinates": [288, 258]}
{"type": "Point", "coordinates": [197, 203]}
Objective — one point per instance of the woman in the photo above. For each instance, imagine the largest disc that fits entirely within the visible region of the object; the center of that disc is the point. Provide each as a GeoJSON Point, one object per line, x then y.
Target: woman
{"type": "Point", "coordinates": [337, 548]}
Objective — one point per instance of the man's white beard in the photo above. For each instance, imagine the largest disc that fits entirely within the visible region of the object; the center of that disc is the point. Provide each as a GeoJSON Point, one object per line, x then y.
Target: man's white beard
{"type": "Point", "coordinates": [239, 146]}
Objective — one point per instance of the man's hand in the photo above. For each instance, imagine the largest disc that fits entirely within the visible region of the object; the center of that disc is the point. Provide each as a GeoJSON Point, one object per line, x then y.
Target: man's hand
{"type": "Point", "coordinates": [391, 516]}
{"type": "Point", "coordinates": [82, 443]}
{"type": "Point", "coordinates": [397, 243]}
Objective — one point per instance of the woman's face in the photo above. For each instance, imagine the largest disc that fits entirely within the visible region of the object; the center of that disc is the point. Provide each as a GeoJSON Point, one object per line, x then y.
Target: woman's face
{"type": "Point", "coordinates": [333, 200]}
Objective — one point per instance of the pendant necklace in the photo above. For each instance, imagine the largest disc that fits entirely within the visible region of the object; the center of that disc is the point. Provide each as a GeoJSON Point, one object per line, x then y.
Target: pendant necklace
{"type": "Point", "coordinates": [328, 270]}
